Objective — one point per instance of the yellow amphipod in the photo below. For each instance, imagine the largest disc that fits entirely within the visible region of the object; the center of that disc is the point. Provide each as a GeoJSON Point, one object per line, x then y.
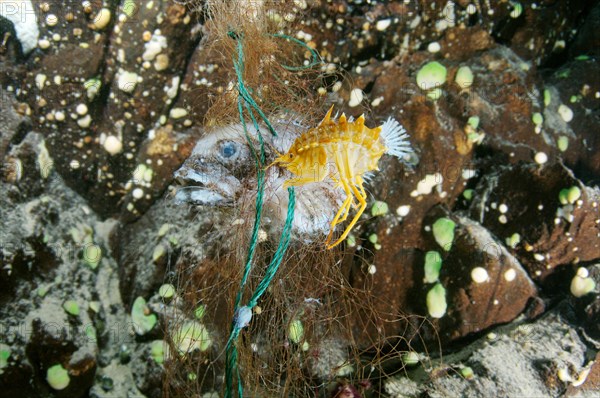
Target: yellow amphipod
{"type": "Point", "coordinates": [343, 150]}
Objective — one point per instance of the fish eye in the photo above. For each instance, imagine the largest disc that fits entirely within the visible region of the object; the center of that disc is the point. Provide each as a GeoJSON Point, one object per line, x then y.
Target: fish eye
{"type": "Point", "coordinates": [228, 149]}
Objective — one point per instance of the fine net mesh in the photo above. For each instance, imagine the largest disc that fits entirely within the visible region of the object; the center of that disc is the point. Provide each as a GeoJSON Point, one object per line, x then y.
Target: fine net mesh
{"type": "Point", "coordinates": [313, 331]}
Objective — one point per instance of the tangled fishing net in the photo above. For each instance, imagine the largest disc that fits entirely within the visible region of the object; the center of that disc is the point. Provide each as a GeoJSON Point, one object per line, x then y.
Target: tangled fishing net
{"type": "Point", "coordinates": [272, 316]}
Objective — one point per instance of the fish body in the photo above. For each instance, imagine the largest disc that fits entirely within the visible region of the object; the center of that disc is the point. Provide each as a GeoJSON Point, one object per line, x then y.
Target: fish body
{"type": "Point", "coordinates": [221, 172]}
{"type": "Point", "coordinates": [327, 164]}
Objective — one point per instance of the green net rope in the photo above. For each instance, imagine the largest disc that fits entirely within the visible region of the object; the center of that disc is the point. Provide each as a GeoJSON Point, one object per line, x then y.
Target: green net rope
{"type": "Point", "coordinates": [243, 314]}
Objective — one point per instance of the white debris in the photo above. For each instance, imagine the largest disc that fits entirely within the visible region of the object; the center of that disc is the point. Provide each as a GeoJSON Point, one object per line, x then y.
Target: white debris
{"type": "Point", "coordinates": [113, 145]}
{"type": "Point", "coordinates": [565, 113]}
{"type": "Point", "coordinates": [383, 24]}
{"type": "Point", "coordinates": [426, 185]}
{"type": "Point", "coordinates": [23, 16]}
{"type": "Point", "coordinates": [127, 81]}
{"type": "Point", "coordinates": [356, 97]}
{"type": "Point", "coordinates": [541, 158]}
{"type": "Point", "coordinates": [510, 275]}
{"type": "Point", "coordinates": [479, 275]}
{"type": "Point", "coordinates": [154, 46]}
{"type": "Point", "coordinates": [403, 211]}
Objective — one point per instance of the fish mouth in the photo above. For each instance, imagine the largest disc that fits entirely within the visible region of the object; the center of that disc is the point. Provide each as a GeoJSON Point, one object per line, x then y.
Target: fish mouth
{"type": "Point", "coordinates": [200, 196]}
{"type": "Point", "coordinates": [204, 188]}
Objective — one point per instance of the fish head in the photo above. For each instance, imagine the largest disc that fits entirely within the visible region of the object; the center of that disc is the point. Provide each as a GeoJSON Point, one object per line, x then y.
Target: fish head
{"type": "Point", "coordinates": [215, 171]}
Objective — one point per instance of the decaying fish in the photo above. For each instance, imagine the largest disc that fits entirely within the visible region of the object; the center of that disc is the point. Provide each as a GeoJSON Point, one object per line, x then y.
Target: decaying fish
{"type": "Point", "coordinates": [220, 171]}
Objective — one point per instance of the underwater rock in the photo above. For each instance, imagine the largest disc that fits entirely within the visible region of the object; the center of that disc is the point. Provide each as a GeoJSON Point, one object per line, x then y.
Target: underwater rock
{"type": "Point", "coordinates": [205, 79]}
{"type": "Point", "coordinates": [509, 113]}
{"type": "Point", "coordinates": [492, 122]}
{"type": "Point", "coordinates": [14, 124]}
{"type": "Point", "coordinates": [145, 255]}
{"type": "Point", "coordinates": [356, 31]}
{"type": "Point", "coordinates": [111, 102]}
{"type": "Point", "coordinates": [27, 168]}
{"type": "Point", "coordinates": [587, 40]}
{"type": "Point", "coordinates": [486, 285]}
{"type": "Point", "coordinates": [553, 214]}
{"type": "Point", "coordinates": [465, 123]}
{"type": "Point", "coordinates": [59, 295]}
{"type": "Point", "coordinates": [105, 78]}
{"type": "Point", "coordinates": [541, 358]}
{"type": "Point", "coordinates": [55, 340]}
{"type": "Point", "coordinates": [570, 115]}
{"type": "Point", "coordinates": [538, 32]}
{"type": "Point", "coordinates": [147, 372]}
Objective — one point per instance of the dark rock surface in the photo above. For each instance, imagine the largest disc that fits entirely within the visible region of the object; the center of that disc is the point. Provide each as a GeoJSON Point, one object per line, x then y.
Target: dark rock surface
{"type": "Point", "coordinates": [551, 233]}
{"type": "Point", "coordinates": [109, 102]}
{"type": "Point", "coordinates": [96, 96]}
{"type": "Point", "coordinates": [486, 285]}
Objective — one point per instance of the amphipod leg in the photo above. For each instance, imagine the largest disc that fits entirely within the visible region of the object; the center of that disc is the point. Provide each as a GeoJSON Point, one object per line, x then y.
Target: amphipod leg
{"type": "Point", "coordinates": [361, 197]}
{"type": "Point", "coordinates": [344, 210]}
{"type": "Point", "coordinates": [359, 184]}
{"type": "Point", "coordinates": [350, 199]}
{"type": "Point", "coordinates": [346, 178]}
